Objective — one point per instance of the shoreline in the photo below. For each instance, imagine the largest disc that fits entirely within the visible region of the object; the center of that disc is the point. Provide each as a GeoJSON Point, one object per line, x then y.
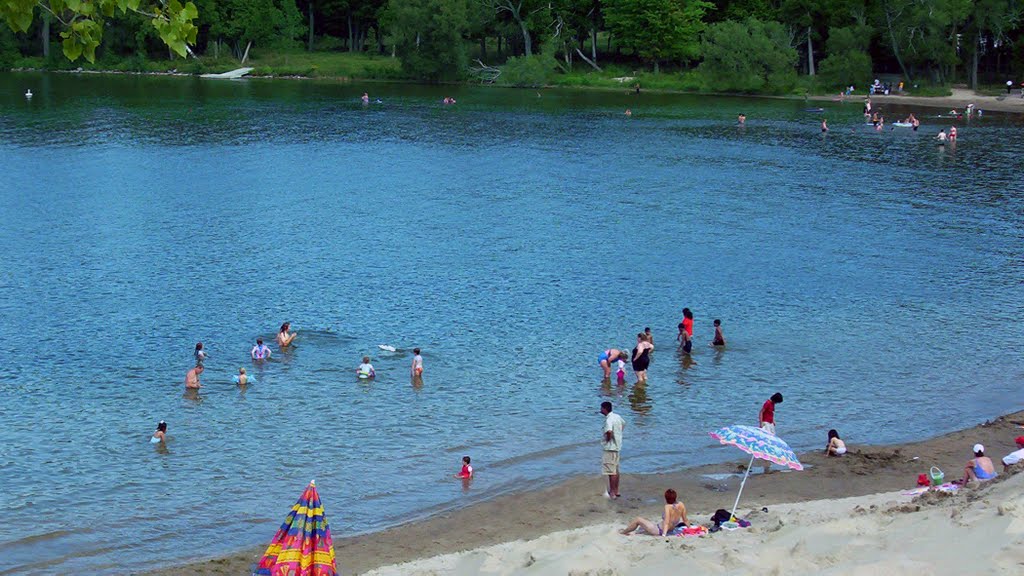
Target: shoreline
{"type": "Point", "coordinates": [958, 99]}
{"type": "Point", "coordinates": [578, 502]}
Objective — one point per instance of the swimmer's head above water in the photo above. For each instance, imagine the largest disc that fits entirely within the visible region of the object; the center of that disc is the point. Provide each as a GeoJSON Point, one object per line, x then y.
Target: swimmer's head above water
{"type": "Point", "coordinates": [161, 426]}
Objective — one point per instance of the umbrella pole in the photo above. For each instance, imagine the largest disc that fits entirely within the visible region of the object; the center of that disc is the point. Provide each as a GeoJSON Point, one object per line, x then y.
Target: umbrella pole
{"type": "Point", "coordinates": [742, 484]}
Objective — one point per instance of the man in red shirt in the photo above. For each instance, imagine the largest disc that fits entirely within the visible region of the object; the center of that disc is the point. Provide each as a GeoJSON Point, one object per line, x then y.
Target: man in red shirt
{"type": "Point", "coordinates": [766, 418]}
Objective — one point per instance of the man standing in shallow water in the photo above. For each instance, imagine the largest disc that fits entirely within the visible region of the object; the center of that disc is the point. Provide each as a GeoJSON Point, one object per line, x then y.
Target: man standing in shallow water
{"type": "Point", "coordinates": [611, 442]}
{"type": "Point", "coordinates": [192, 378]}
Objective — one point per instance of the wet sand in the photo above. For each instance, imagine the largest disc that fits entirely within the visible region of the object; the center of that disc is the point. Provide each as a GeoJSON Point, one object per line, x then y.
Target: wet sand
{"type": "Point", "coordinates": [579, 502]}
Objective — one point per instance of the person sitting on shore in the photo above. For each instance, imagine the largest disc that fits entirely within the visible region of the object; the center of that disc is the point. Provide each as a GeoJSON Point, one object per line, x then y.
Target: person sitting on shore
{"type": "Point", "coordinates": [1016, 456]}
{"type": "Point", "coordinates": [835, 446]}
{"type": "Point", "coordinates": [673, 519]}
{"type": "Point", "coordinates": [980, 467]}
{"type": "Point", "coordinates": [161, 433]}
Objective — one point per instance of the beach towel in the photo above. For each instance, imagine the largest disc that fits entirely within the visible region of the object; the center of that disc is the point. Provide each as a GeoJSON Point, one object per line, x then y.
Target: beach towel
{"type": "Point", "coordinates": [694, 531]}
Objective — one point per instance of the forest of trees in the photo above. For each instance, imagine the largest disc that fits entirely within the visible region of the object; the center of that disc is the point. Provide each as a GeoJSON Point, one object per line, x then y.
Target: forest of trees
{"type": "Point", "coordinates": [735, 45]}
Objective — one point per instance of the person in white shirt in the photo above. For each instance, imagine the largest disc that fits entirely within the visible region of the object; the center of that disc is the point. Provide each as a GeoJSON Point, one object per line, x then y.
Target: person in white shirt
{"type": "Point", "coordinates": [260, 351]}
{"type": "Point", "coordinates": [611, 442]}
{"type": "Point", "coordinates": [365, 369]}
{"type": "Point", "coordinates": [1016, 456]}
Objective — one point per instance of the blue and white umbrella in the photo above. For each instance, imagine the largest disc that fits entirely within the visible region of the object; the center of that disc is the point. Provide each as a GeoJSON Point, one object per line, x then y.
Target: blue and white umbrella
{"type": "Point", "coordinates": [759, 444]}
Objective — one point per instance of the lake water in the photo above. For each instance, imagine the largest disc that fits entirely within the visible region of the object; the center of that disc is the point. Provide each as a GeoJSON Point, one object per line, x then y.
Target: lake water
{"type": "Point", "coordinates": [874, 279]}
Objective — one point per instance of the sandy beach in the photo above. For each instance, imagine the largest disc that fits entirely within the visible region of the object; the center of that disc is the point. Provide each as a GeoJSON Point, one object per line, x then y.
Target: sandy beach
{"type": "Point", "coordinates": [958, 100]}
{"type": "Point", "coordinates": [820, 520]}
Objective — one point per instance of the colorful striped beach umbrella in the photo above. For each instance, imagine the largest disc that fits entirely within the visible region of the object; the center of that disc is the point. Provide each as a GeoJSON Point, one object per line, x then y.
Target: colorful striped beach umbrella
{"type": "Point", "coordinates": [302, 546]}
{"type": "Point", "coordinates": [759, 444]}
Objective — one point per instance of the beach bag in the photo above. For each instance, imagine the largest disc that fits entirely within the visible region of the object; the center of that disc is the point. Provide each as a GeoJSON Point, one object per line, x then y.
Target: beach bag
{"type": "Point", "coordinates": [937, 476]}
{"type": "Point", "coordinates": [720, 517]}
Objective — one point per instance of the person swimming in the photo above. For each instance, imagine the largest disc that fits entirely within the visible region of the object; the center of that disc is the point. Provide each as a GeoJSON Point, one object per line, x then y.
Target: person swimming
{"type": "Point", "coordinates": [161, 433]}
{"type": "Point", "coordinates": [741, 120]}
{"type": "Point", "coordinates": [365, 369]}
{"type": "Point", "coordinates": [366, 98]}
{"type": "Point", "coordinates": [242, 379]}
{"type": "Point", "coordinates": [719, 339]}
{"type": "Point", "coordinates": [284, 338]}
{"type": "Point", "coordinates": [260, 351]}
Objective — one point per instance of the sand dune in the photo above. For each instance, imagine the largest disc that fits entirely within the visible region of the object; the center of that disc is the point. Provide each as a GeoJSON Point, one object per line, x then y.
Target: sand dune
{"type": "Point", "coordinates": [978, 530]}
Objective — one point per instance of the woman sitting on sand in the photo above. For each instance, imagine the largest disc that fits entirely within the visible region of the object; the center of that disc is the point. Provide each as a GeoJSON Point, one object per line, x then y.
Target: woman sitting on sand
{"type": "Point", "coordinates": [980, 467]}
{"type": "Point", "coordinates": [835, 446]}
{"type": "Point", "coordinates": [673, 519]}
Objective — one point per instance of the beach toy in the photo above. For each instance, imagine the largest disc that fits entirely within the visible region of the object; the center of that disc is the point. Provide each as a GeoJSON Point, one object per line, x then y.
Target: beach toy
{"type": "Point", "coordinates": [249, 380]}
{"type": "Point", "coordinates": [936, 475]}
{"type": "Point", "coordinates": [730, 526]}
{"type": "Point", "coordinates": [386, 347]}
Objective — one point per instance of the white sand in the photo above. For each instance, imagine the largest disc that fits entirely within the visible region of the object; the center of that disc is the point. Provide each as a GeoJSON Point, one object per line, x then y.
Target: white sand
{"type": "Point", "coordinates": [977, 531]}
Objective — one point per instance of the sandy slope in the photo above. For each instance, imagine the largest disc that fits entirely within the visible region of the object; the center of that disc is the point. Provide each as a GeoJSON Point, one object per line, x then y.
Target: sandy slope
{"type": "Point", "coordinates": [979, 530]}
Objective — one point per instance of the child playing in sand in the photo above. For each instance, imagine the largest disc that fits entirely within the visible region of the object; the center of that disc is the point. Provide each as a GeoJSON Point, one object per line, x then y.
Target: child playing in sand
{"type": "Point", "coordinates": [719, 338]}
{"type": "Point", "coordinates": [365, 369]}
{"type": "Point", "coordinates": [835, 446]}
{"type": "Point", "coordinates": [467, 470]}
{"type": "Point", "coordinates": [621, 373]}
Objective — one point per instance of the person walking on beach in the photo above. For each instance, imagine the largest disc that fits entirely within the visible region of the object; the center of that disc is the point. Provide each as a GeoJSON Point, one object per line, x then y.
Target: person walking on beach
{"type": "Point", "coordinates": [260, 351]}
{"type": "Point", "coordinates": [192, 378]}
{"type": "Point", "coordinates": [611, 443]}
{"type": "Point", "coordinates": [641, 358]}
{"type": "Point", "coordinates": [284, 338]}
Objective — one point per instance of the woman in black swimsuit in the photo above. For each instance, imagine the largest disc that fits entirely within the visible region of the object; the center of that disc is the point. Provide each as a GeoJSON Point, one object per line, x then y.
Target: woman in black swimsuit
{"type": "Point", "coordinates": [641, 357]}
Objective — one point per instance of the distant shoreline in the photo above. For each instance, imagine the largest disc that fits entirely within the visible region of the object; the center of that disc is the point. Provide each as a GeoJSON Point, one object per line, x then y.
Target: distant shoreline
{"type": "Point", "coordinates": [577, 502]}
{"type": "Point", "coordinates": [960, 98]}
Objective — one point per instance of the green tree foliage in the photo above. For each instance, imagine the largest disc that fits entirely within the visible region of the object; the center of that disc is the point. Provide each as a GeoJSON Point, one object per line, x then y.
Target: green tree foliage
{"type": "Point", "coordinates": [658, 30]}
{"type": "Point", "coordinates": [261, 22]}
{"type": "Point", "coordinates": [848, 61]}
{"type": "Point", "coordinates": [430, 36]}
{"type": "Point", "coordinates": [83, 21]}
{"type": "Point", "coordinates": [749, 56]}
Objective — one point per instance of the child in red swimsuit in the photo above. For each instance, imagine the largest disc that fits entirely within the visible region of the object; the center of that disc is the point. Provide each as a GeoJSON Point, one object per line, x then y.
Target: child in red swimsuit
{"type": "Point", "coordinates": [467, 470]}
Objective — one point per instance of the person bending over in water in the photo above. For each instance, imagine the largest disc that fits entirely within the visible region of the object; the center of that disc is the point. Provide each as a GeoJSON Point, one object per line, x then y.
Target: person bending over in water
{"type": "Point", "coordinates": [192, 378]}
{"type": "Point", "coordinates": [161, 433]}
{"type": "Point", "coordinates": [835, 446]}
{"type": "Point", "coordinates": [260, 351]}
{"type": "Point", "coordinates": [605, 359]}
{"type": "Point", "coordinates": [980, 467]}
{"type": "Point", "coordinates": [673, 519]}
{"type": "Point", "coordinates": [284, 338]}
{"type": "Point", "coordinates": [719, 337]}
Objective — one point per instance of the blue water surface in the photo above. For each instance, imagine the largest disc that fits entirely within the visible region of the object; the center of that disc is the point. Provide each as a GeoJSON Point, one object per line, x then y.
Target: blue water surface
{"type": "Point", "coordinates": [873, 278]}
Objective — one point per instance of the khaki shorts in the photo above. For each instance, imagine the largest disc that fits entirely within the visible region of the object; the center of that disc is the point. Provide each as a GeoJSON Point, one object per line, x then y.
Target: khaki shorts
{"type": "Point", "coordinates": [769, 428]}
{"type": "Point", "coordinates": [610, 463]}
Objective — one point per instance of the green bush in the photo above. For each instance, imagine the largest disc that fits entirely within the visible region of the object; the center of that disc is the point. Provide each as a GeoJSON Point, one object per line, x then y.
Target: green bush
{"type": "Point", "coordinates": [749, 56]}
{"type": "Point", "coordinates": [846, 68]}
{"type": "Point", "coordinates": [533, 71]}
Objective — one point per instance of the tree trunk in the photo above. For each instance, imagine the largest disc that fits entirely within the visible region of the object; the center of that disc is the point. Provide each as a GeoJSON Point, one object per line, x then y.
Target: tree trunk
{"type": "Point", "coordinates": [593, 46]}
{"type": "Point", "coordinates": [657, 69]}
{"type": "Point", "coordinates": [45, 34]}
{"type": "Point", "coordinates": [483, 47]}
{"type": "Point", "coordinates": [810, 53]}
{"type": "Point", "coordinates": [974, 62]}
{"type": "Point", "coordinates": [499, 47]}
{"type": "Point", "coordinates": [588, 60]}
{"type": "Point", "coordinates": [245, 56]}
{"type": "Point", "coordinates": [527, 41]}
{"type": "Point", "coordinates": [351, 39]}
{"type": "Point", "coordinates": [608, 48]}
{"type": "Point", "coordinates": [310, 25]}
{"type": "Point", "coordinates": [895, 45]}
